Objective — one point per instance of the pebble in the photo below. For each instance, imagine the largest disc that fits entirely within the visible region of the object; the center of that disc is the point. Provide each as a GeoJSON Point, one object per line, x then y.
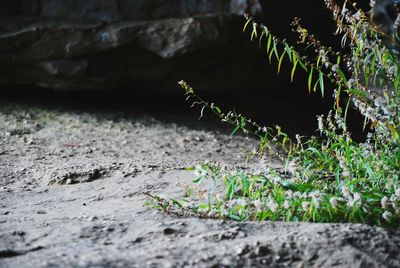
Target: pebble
{"type": "Point", "coordinates": [261, 250]}
{"type": "Point", "coordinates": [169, 231]}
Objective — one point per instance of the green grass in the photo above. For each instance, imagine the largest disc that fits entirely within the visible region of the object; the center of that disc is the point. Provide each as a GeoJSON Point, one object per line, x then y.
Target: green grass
{"type": "Point", "coordinates": [328, 177]}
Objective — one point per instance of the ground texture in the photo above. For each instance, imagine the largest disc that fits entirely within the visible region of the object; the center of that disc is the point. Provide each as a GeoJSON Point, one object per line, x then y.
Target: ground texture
{"type": "Point", "coordinates": [71, 195]}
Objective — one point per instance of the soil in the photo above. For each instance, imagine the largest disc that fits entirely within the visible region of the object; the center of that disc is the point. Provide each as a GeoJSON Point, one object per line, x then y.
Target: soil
{"type": "Point", "coordinates": [72, 187]}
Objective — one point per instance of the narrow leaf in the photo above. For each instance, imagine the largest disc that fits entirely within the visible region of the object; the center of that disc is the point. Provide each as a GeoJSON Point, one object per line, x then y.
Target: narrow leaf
{"type": "Point", "coordinates": [276, 51]}
{"type": "Point", "coordinates": [288, 51]}
{"type": "Point", "coordinates": [302, 64]}
{"type": "Point", "coordinates": [318, 60]}
{"type": "Point", "coordinates": [321, 83]}
{"type": "Point", "coordinates": [254, 32]}
{"type": "Point", "coordinates": [338, 93]}
{"type": "Point", "coordinates": [280, 61]}
{"type": "Point", "coordinates": [294, 68]}
{"type": "Point", "coordinates": [260, 39]}
{"type": "Point", "coordinates": [310, 77]}
{"type": "Point", "coordinates": [245, 26]}
{"type": "Point", "coordinates": [269, 43]}
{"type": "Point", "coordinates": [342, 76]}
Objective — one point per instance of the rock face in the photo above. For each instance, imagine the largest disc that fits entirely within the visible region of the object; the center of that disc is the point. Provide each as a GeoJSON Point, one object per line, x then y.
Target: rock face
{"type": "Point", "coordinates": [103, 44]}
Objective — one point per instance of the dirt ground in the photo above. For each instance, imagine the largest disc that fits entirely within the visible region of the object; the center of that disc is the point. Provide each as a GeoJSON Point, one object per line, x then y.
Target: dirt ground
{"type": "Point", "coordinates": [71, 195]}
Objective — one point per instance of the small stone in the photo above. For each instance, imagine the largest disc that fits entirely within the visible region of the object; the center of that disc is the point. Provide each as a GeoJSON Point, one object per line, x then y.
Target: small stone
{"type": "Point", "coordinates": [68, 181]}
{"type": "Point", "coordinates": [41, 212]}
{"type": "Point", "coordinates": [169, 231]}
{"type": "Point", "coordinates": [19, 233]}
{"type": "Point", "coordinates": [261, 250]}
{"type": "Point", "coordinates": [109, 229]}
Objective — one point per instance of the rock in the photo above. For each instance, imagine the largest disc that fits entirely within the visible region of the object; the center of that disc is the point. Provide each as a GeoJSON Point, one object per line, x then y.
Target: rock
{"type": "Point", "coordinates": [261, 250]}
{"type": "Point", "coordinates": [169, 231]}
{"type": "Point", "coordinates": [101, 44]}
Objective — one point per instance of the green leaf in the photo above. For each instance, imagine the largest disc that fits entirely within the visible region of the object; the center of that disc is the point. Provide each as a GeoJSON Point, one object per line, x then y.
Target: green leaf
{"type": "Point", "coordinates": [273, 50]}
{"type": "Point", "coordinates": [318, 60]}
{"type": "Point", "coordinates": [269, 43]}
{"type": "Point", "coordinates": [260, 39]}
{"type": "Point", "coordinates": [234, 217]}
{"type": "Point", "coordinates": [310, 78]}
{"type": "Point", "coordinates": [339, 91]}
{"type": "Point", "coordinates": [295, 61]}
{"type": "Point", "coordinates": [216, 109]}
{"type": "Point", "coordinates": [357, 92]}
{"type": "Point", "coordinates": [342, 76]}
{"type": "Point", "coordinates": [176, 203]}
{"type": "Point", "coordinates": [321, 83]}
{"type": "Point", "coordinates": [245, 26]}
{"type": "Point", "coordinates": [198, 180]}
{"type": "Point", "coordinates": [315, 86]}
{"type": "Point", "coordinates": [394, 132]}
{"type": "Point", "coordinates": [288, 51]}
{"type": "Point", "coordinates": [280, 61]}
{"type": "Point", "coordinates": [373, 63]}
{"type": "Point", "coordinates": [276, 51]}
{"type": "Point", "coordinates": [397, 81]}
{"type": "Point", "coordinates": [254, 32]}
{"type": "Point", "coordinates": [347, 108]}
{"type": "Point", "coordinates": [235, 130]}
{"type": "Point", "coordinates": [302, 64]}
{"type": "Point", "coordinates": [203, 206]}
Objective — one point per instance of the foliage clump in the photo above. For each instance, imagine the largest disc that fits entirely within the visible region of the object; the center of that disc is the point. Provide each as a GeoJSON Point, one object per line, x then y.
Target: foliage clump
{"type": "Point", "coordinates": [328, 177]}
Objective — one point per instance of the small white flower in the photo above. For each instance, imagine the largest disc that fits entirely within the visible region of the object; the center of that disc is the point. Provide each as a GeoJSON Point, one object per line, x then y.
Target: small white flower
{"type": "Point", "coordinates": [346, 192]}
{"type": "Point", "coordinates": [289, 194]}
{"type": "Point", "coordinates": [346, 173]}
{"type": "Point", "coordinates": [354, 200]}
{"type": "Point", "coordinates": [286, 204]}
{"type": "Point", "coordinates": [306, 205]}
{"type": "Point", "coordinates": [292, 167]}
{"type": "Point", "coordinates": [241, 202]}
{"type": "Point", "coordinates": [384, 201]}
{"type": "Point", "coordinates": [387, 215]}
{"type": "Point", "coordinates": [224, 212]}
{"type": "Point", "coordinates": [397, 193]}
{"type": "Point", "coordinates": [297, 195]}
{"type": "Point", "coordinates": [200, 171]}
{"type": "Point", "coordinates": [276, 179]}
{"type": "Point", "coordinates": [372, 3]}
{"type": "Point", "coordinates": [357, 197]}
{"type": "Point", "coordinates": [321, 123]}
{"type": "Point", "coordinates": [333, 202]}
{"type": "Point", "coordinates": [258, 204]}
{"type": "Point", "coordinates": [273, 205]}
{"type": "Point", "coordinates": [335, 68]}
{"type": "Point", "coordinates": [316, 198]}
{"type": "Point", "coordinates": [298, 138]}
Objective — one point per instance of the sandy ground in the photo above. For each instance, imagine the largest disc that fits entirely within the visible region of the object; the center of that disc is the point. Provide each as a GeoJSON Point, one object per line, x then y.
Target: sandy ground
{"type": "Point", "coordinates": [71, 195]}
